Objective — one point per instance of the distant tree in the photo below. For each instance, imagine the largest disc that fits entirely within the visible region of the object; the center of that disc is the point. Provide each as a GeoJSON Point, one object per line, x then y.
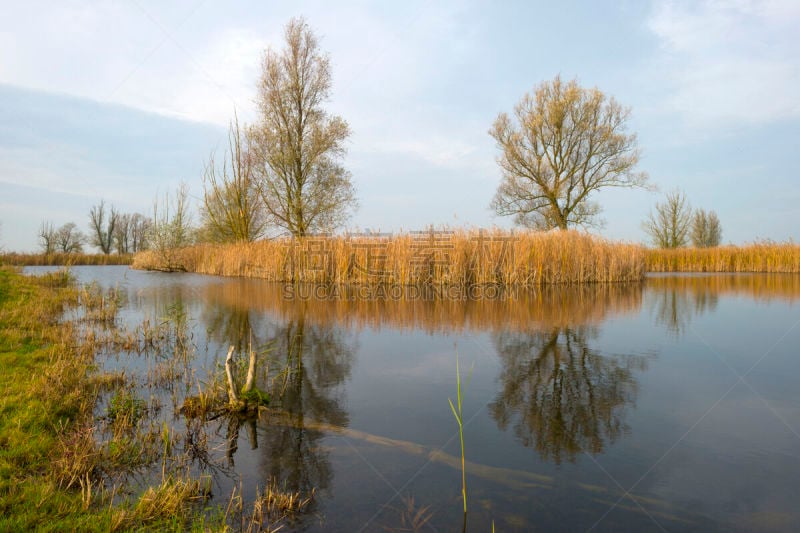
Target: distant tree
{"type": "Point", "coordinates": [171, 227]}
{"type": "Point", "coordinates": [297, 144]}
{"type": "Point", "coordinates": [138, 230]}
{"type": "Point", "coordinates": [566, 143]}
{"type": "Point", "coordinates": [706, 230]}
{"type": "Point", "coordinates": [232, 209]}
{"type": "Point", "coordinates": [130, 232]}
{"type": "Point", "coordinates": [122, 233]}
{"type": "Point", "coordinates": [102, 224]}
{"type": "Point", "coordinates": [669, 226]}
{"type": "Point", "coordinates": [69, 239]}
{"type": "Point", "coordinates": [47, 237]}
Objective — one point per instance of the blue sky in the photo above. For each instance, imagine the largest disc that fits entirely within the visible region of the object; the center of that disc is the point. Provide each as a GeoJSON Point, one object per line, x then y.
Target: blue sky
{"type": "Point", "coordinates": [124, 100]}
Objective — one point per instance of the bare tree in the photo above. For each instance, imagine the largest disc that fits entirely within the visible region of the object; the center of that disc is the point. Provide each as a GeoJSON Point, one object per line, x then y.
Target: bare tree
{"type": "Point", "coordinates": [130, 232]}
{"type": "Point", "coordinates": [706, 230]}
{"type": "Point", "coordinates": [232, 209]}
{"type": "Point", "coordinates": [668, 227]}
{"type": "Point", "coordinates": [102, 224]}
{"type": "Point", "coordinates": [122, 233]}
{"type": "Point", "coordinates": [171, 228]}
{"type": "Point", "coordinates": [47, 237]}
{"type": "Point", "coordinates": [138, 231]}
{"type": "Point", "coordinates": [297, 144]}
{"type": "Point", "coordinates": [566, 143]}
{"type": "Point", "coordinates": [69, 239]}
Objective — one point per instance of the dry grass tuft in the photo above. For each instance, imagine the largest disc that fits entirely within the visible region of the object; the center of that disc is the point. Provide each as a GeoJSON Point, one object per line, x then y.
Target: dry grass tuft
{"type": "Point", "coordinates": [171, 499]}
{"type": "Point", "coordinates": [275, 506]}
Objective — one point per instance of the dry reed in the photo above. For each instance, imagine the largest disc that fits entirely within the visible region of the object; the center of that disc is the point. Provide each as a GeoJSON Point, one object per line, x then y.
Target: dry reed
{"type": "Point", "coordinates": [452, 258]}
{"type": "Point", "coordinates": [61, 259]}
{"type": "Point", "coordinates": [758, 257]}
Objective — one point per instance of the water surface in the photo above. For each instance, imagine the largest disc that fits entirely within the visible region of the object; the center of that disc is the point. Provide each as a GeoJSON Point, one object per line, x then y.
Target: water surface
{"type": "Point", "coordinates": [669, 405]}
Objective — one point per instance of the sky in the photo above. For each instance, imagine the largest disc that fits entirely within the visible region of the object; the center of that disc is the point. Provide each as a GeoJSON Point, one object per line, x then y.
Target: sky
{"type": "Point", "coordinates": [124, 100]}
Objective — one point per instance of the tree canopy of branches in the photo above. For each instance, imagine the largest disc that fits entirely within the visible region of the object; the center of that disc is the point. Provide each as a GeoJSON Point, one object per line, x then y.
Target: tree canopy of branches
{"type": "Point", "coordinates": [65, 239]}
{"type": "Point", "coordinates": [130, 234]}
{"type": "Point", "coordinates": [102, 224]}
{"type": "Point", "coordinates": [47, 237]}
{"type": "Point", "coordinates": [564, 143]}
{"type": "Point", "coordinates": [669, 226]}
{"type": "Point", "coordinates": [232, 209]}
{"type": "Point", "coordinates": [69, 239]}
{"type": "Point", "coordinates": [171, 227]}
{"type": "Point", "coordinates": [298, 146]}
{"type": "Point", "coordinates": [706, 230]}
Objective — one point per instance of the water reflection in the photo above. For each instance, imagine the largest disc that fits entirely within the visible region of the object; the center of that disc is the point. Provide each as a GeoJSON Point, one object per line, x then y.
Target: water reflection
{"type": "Point", "coordinates": [318, 359]}
{"type": "Point", "coordinates": [561, 395]}
{"type": "Point", "coordinates": [434, 312]}
{"type": "Point", "coordinates": [306, 365]}
{"type": "Point", "coordinates": [676, 300]}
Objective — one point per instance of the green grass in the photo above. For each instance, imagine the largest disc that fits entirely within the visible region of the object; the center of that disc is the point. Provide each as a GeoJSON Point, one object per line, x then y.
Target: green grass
{"type": "Point", "coordinates": [34, 353]}
{"type": "Point", "coordinates": [49, 460]}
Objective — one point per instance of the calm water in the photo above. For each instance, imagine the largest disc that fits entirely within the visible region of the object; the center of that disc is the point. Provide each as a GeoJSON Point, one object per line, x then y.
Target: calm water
{"type": "Point", "coordinates": [672, 405]}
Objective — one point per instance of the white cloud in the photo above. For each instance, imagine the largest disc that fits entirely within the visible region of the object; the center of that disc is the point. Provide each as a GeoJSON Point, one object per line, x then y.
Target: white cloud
{"type": "Point", "coordinates": [729, 61]}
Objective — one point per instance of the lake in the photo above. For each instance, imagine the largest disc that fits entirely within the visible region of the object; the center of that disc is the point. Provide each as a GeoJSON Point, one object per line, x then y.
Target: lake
{"type": "Point", "coordinates": [670, 405]}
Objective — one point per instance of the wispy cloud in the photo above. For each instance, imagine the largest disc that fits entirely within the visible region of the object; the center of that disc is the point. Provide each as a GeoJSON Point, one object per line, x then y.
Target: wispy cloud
{"type": "Point", "coordinates": [723, 62]}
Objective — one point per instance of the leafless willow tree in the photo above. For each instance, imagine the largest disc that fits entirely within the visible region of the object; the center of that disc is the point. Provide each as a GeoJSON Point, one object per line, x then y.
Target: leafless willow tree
{"type": "Point", "coordinates": [563, 144]}
{"type": "Point", "coordinates": [69, 239]}
{"type": "Point", "coordinates": [47, 237]}
{"type": "Point", "coordinates": [102, 224]}
{"type": "Point", "coordinates": [706, 230]}
{"type": "Point", "coordinates": [232, 209]}
{"type": "Point", "coordinates": [669, 226]}
{"type": "Point", "coordinates": [298, 146]}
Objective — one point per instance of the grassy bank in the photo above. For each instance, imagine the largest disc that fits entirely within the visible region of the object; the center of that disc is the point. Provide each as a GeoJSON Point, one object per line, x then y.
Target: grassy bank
{"type": "Point", "coordinates": [460, 258]}
{"type": "Point", "coordinates": [43, 397]}
{"type": "Point", "coordinates": [758, 257]}
{"type": "Point", "coordinates": [59, 259]}
{"type": "Point", "coordinates": [52, 467]}
{"type": "Point", "coordinates": [64, 465]}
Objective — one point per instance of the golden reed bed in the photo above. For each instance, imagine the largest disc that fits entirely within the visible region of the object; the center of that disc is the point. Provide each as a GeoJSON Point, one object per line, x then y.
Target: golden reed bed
{"type": "Point", "coordinates": [459, 258]}
{"type": "Point", "coordinates": [758, 257]}
{"type": "Point", "coordinates": [61, 259]}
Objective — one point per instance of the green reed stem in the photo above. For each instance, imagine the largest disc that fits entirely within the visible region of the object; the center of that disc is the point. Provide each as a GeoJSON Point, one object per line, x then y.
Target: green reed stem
{"type": "Point", "coordinates": [459, 415]}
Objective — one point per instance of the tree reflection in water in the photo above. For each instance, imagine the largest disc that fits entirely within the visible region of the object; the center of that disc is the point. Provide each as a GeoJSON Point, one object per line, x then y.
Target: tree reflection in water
{"type": "Point", "coordinates": [562, 396]}
{"type": "Point", "coordinates": [318, 360]}
{"type": "Point", "coordinates": [308, 362]}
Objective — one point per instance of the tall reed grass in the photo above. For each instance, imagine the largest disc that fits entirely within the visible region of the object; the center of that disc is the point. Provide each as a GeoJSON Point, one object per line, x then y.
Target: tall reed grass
{"type": "Point", "coordinates": [61, 259]}
{"type": "Point", "coordinates": [457, 258]}
{"type": "Point", "coordinates": [757, 257]}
